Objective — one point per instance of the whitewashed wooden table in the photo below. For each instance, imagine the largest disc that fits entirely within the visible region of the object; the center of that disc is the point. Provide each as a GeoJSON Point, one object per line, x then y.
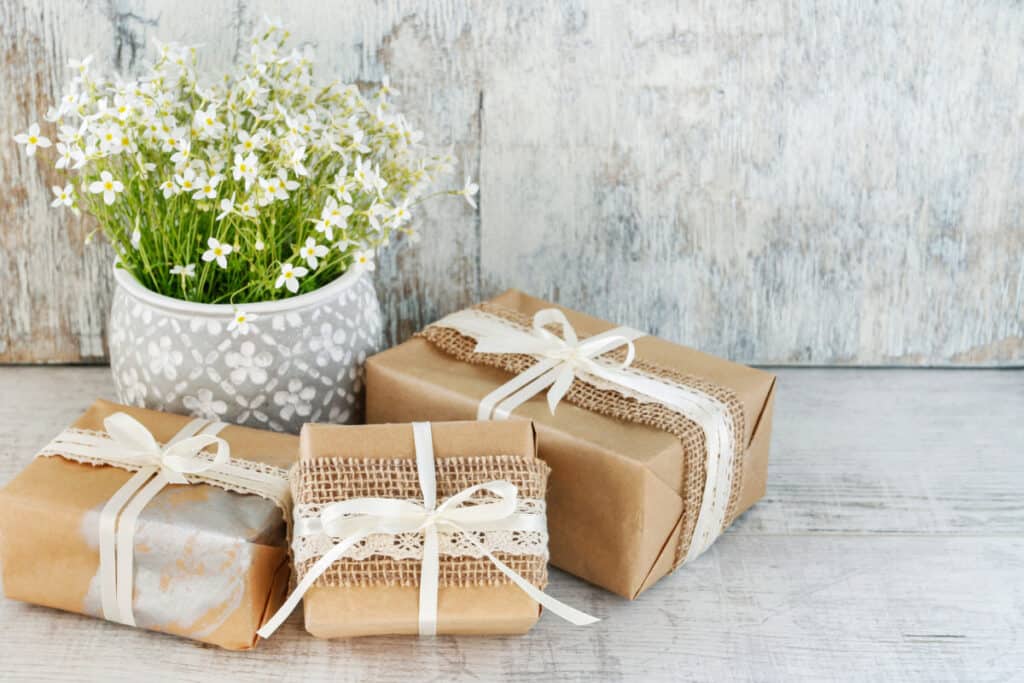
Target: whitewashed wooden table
{"type": "Point", "coordinates": [890, 546]}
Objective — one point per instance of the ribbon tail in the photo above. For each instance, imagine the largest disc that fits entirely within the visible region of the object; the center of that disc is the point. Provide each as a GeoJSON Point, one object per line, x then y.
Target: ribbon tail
{"type": "Point", "coordinates": [429, 582]}
{"type": "Point", "coordinates": [570, 614]}
{"type": "Point", "coordinates": [126, 547]}
{"type": "Point", "coordinates": [561, 386]}
{"type": "Point", "coordinates": [108, 541]}
{"type": "Point", "coordinates": [314, 573]}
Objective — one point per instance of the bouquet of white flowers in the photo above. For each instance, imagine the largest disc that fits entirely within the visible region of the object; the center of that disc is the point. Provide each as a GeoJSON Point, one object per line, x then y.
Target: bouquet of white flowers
{"type": "Point", "coordinates": [256, 188]}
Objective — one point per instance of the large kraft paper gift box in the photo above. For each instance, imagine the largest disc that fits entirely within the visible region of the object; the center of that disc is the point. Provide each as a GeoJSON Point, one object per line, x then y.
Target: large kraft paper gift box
{"type": "Point", "coordinates": [205, 562]}
{"type": "Point", "coordinates": [375, 588]}
{"type": "Point", "coordinates": [630, 496]}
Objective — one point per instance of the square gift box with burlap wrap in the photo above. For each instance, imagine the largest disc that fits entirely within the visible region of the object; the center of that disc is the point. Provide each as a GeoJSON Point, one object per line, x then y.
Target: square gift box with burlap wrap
{"type": "Point", "coordinates": [420, 529]}
{"type": "Point", "coordinates": [655, 448]}
{"type": "Point", "coordinates": [160, 521]}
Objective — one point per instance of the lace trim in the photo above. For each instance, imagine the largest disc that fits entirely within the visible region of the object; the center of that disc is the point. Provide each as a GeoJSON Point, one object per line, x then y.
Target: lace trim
{"type": "Point", "coordinates": [409, 546]}
{"type": "Point", "coordinates": [237, 475]}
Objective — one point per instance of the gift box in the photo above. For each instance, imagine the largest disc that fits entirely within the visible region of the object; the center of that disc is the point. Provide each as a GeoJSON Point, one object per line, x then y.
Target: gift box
{"type": "Point", "coordinates": [190, 538]}
{"type": "Point", "coordinates": [384, 482]}
{"type": "Point", "coordinates": [654, 448]}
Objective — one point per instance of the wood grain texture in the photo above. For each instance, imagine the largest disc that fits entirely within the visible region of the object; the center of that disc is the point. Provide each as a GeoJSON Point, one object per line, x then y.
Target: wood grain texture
{"type": "Point", "coordinates": [890, 546]}
{"type": "Point", "coordinates": [791, 182]}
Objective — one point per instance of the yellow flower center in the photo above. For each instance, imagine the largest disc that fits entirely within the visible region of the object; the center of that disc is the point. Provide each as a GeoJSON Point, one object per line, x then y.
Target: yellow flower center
{"type": "Point", "coordinates": [240, 318]}
{"type": "Point", "coordinates": [209, 121]}
{"type": "Point", "coordinates": [187, 185]}
{"type": "Point", "coordinates": [207, 189]}
{"type": "Point", "coordinates": [248, 144]}
{"type": "Point", "coordinates": [32, 139]}
{"type": "Point", "coordinates": [289, 275]}
{"type": "Point", "coordinates": [108, 185]}
{"type": "Point", "coordinates": [218, 251]}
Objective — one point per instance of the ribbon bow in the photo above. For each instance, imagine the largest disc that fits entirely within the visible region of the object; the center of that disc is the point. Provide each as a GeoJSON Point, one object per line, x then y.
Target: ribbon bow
{"type": "Point", "coordinates": [355, 519]}
{"type": "Point", "coordinates": [560, 359]}
{"type": "Point", "coordinates": [132, 442]}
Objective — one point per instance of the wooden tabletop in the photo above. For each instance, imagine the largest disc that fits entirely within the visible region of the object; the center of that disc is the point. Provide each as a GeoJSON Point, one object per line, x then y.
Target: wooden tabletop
{"type": "Point", "coordinates": [890, 546]}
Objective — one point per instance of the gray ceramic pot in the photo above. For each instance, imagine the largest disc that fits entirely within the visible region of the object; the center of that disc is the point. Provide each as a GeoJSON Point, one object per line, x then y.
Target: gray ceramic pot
{"type": "Point", "coordinates": [292, 361]}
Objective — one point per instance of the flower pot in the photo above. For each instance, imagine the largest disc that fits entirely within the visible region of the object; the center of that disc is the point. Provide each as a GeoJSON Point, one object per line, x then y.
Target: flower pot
{"type": "Point", "coordinates": [291, 361]}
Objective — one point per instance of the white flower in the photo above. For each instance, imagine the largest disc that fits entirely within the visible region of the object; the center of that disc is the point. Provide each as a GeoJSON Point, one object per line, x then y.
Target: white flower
{"type": "Point", "coordinates": [400, 215]}
{"type": "Point", "coordinates": [68, 154]}
{"type": "Point", "coordinates": [227, 207]}
{"type": "Point", "coordinates": [363, 260]}
{"type": "Point", "coordinates": [136, 238]}
{"type": "Point", "coordinates": [289, 277]}
{"type": "Point", "coordinates": [245, 168]}
{"type": "Point", "coordinates": [188, 270]}
{"type": "Point", "coordinates": [259, 246]}
{"type": "Point", "coordinates": [174, 139]}
{"type": "Point", "coordinates": [296, 400]}
{"type": "Point", "coordinates": [169, 188]}
{"type": "Point", "coordinates": [81, 66]}
{"type": "Point", "coordinates": [247, 365]}
{"type": "Point", "coordinates": [249, 143]}
{"type": "Point", "coordinates": [186, 180]}
{"type": "Point", "coordinates": [206, 122]}
{"type": "Point", "coordinates": [333, 216]}
{"type": "Point", "coordinates": [164, 360]}
{"type": "Point", "coordinates": [112, 139]}
{"type": "Point", "coordinates": [313, 251]}
{"type": "Point", "coordinates": [108, 186]}
{"type": "Point", "coordinates": [63, 196]}
{"type": "Point", "coordinates": [217, 252]}
{"type": "Point", "coordinates": [206, 188]}
{"type": "Point", "coordinates": [204, 405]}
{"type": "Point", "coordinates": [32, 139]}
{"type": "Point", "coordinates": [469, 191]}
{"type": "Point", "coordinates": [249, 211]}
{"type": "Point", "coordinates": [182, 156]}
{"type": "Point", "coordinates": [242, 322]}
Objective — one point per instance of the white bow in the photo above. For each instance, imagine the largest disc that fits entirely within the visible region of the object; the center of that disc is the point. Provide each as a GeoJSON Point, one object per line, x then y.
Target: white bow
{"type": "Point", "coordinates": [133, 443]}
{"type": "Point", "coordinates": [560, 359]}
{"type": "Point", "coordinates": [354, 519]}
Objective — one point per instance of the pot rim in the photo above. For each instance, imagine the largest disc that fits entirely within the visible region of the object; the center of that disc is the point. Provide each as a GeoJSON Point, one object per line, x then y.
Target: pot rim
{"type": "Point", "coordinates": [126, 281]}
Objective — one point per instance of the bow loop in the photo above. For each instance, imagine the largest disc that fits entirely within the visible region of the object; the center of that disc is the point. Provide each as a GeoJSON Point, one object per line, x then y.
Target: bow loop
{"type": "Point", "coordinates": [561, 357]}
{"type": "Point", "coordinates": [183, 457]}
{"type": "Point", "coordinates": [132, 437]}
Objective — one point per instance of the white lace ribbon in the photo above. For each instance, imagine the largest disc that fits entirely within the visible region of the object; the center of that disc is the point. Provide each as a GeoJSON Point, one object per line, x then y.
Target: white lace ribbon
{"type": "Point", "coordinates": [127, 444]}
{"type": "Point", "coordinates": [358, 518]}
{"type": "Point", "coordinates": [560, 360]}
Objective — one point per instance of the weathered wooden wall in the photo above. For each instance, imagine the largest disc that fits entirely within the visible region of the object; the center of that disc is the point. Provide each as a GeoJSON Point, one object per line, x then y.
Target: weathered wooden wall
{"type": "Point", "coordinates": [784, 182]}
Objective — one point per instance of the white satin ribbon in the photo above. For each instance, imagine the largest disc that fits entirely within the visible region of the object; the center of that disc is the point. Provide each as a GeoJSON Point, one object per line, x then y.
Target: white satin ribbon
{"type": "Point", "coordinates": [560, 360]}
{"type": "Point", "coordinates": [127, 444]}
{"type": "Point", "coordinates": [354, 519]}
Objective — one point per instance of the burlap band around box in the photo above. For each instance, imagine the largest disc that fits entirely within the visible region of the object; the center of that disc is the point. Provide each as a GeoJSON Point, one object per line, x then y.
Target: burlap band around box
{"type": "Point", "coordinates": [616, 405]}
{"type": "Point", "coordinates": [323, 481]}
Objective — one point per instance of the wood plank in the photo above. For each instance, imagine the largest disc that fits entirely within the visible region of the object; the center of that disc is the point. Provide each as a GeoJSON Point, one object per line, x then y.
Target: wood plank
{"type": "Point", "coordinates": [754, 608]}
{"type": "Point", "coordinates": [765, 184]}
{"type": "Point", "coordinates": [888, 548]}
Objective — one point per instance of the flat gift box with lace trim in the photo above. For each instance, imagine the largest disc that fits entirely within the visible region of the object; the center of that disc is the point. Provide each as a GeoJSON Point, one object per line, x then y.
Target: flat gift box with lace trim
{"type": "Point", "coordinates": [149, 519]}
{"type": "Point", "coordinates": [654, 448]}
{"type": "Point", "coordinates": [376, 586]}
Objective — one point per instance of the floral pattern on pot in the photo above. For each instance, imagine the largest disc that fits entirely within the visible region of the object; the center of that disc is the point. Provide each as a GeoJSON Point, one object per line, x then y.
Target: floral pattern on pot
{"type": "Point", "coordinates": [300, 361]}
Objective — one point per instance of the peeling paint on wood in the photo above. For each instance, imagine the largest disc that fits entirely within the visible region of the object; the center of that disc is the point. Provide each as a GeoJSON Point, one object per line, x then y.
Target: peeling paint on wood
{"type": "Point", "coordinates": [823, 183]}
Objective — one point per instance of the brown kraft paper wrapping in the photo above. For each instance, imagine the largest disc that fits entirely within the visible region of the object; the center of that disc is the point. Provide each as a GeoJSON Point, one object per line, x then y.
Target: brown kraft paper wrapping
{"type": "Point", "coordinates": [365, 608]}
{"type": "Point", "coordinates": [616, 500]}
{"type": "Point", "coordinates": [210, 565]}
